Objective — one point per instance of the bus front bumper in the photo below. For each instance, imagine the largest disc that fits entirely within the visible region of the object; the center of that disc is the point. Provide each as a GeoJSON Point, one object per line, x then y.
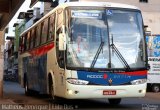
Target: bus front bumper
{"type": "Point", "coordinates": [94, 91]}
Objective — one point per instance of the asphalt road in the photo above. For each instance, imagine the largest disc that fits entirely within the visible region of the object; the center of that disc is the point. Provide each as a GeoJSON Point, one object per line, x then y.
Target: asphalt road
{"type": "Point", "coordinates": [15, 93]}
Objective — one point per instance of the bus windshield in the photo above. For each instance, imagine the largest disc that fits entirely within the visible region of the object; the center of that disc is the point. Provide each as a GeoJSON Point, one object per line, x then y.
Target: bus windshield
{"type": "Point", "coordinates": [105, 38]}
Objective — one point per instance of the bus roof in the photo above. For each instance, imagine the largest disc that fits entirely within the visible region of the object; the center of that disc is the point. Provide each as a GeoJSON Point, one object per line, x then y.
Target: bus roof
{"type": "Point", "coordinates": [84, 4]}
{"type": "Point", "coordinates": [98, 4]}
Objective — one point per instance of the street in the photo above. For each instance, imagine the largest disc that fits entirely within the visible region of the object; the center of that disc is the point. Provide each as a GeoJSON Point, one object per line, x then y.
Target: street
{"type": "Point", "coordinates": [14, 92]}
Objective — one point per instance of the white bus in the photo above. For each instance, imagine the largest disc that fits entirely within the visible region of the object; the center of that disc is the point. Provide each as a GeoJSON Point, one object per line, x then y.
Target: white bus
{"type": "Point", "coordinates": [83, 50]}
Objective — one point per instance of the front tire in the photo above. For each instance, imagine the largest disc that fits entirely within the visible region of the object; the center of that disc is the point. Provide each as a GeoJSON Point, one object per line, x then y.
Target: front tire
{"type": "Point", "coordinates": [51, 91]}
{"type": "Point", "coordinates": [51, 88]}
{"type": "Point", "coordinates": [155, 88]}
{"type": "Point", "coordinates": [115, 101]}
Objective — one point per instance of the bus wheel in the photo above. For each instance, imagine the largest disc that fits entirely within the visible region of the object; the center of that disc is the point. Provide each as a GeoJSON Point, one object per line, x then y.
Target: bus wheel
{"type": "Point", "coordinates": [114, 101]}
{"type": "Point", "coordinates": [155, 88]}
{"type": "Point", "coordinates": [51, 88]}
{"type": "Point", "coordinates": [27, 91]}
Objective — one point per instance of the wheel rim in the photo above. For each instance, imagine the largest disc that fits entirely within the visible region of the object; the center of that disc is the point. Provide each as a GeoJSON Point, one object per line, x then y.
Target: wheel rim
{"type": "Point", "coordinates": [156, 89]}
{"type": "Point", "coordinates": [26, 87]}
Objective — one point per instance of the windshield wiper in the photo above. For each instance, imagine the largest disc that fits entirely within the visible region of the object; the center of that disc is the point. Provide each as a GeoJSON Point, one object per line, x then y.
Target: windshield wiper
{"type": "Point", "coordinates": [97, 54]}
{"type": "Point", "coordinates": [119, 54]}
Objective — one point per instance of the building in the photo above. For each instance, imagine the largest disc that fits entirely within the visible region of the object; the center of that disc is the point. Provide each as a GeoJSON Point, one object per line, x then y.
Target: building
{"type": "Point", "coordinates": [9, 59]}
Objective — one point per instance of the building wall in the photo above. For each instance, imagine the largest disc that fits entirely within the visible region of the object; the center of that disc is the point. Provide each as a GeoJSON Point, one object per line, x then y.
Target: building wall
{"type": "Point", "coordinates": [152, 19]}
{"type": "Point", "coordinates": [152, 5]}
{"type": "Point", "coordinates": [150, 12]}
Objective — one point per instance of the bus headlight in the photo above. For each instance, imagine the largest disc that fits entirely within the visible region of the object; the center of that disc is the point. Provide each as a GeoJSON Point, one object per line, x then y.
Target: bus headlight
{"type": "Point", "coordinates": [139, 81]}
{"type": "Point", "coordinates": [77, 81]}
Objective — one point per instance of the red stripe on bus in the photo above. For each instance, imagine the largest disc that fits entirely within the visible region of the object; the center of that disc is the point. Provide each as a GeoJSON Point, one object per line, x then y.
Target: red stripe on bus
{"type": "Point", "coordinates": [41, 50]}
{"type": "Point", "coordinates": [135, 73]}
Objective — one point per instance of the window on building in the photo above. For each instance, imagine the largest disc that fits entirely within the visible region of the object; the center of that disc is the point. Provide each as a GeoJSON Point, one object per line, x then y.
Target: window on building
{"type": "Point", "coordinates": [144, 1]}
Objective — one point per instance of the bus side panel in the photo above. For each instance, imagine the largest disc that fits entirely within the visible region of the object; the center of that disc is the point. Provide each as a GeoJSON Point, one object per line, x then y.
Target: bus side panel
{"type": "Point", "coordinates": [35, 69]}
{"type": "Point", "coordinates": [42, 74]}
{"type": "Point", "coordinates": [20, 71]}
{"type": "Point", "coordinates": [30, 65]}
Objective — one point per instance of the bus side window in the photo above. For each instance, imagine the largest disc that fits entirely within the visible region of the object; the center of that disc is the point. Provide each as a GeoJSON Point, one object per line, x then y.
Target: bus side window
{"type": "Point", "coordinates": [35, 37]}
{"type": "Point", "coordinates": [44, 31]}
{"type": "Point", "coordinates": [32, 38]}
{"type": "Point", "coordinates": [51, 27]}
{"type": "Point", "coordinates": [59, 54]}
{"type": "Point", "coordinates": [25, 42]}
{"type": "Point", "coordinates": [28, 40]}
{"type": "Point", "coordinates": [38, 35]}
{"type": "Point", "coordinates": [21, 44]}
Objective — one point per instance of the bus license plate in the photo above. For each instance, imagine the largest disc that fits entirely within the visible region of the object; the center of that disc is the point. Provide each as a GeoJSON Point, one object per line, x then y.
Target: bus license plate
{"type": "Point", "coordinates": [109, 92]}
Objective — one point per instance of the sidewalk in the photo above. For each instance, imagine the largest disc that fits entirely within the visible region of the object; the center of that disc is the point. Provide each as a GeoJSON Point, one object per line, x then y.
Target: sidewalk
{"type": "Point", "coordinates": [10, 88]}
{"type": "Point", "coordinates": [6, 101]}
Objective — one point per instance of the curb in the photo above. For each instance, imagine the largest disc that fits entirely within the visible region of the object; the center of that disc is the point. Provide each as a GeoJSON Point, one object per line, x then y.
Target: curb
{"type": "Point", "coordinates": [6, 101]}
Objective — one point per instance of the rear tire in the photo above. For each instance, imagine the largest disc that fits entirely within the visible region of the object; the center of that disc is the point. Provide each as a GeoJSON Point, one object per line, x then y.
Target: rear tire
{"type": "Point", "coordinates": [155, 88]}
{"type": "Point", "coordinates": [28, 92]}
{"type": "Point", "coordinates": [51, 88]}
{"type": "Point", "coordinates": [114, 101]}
